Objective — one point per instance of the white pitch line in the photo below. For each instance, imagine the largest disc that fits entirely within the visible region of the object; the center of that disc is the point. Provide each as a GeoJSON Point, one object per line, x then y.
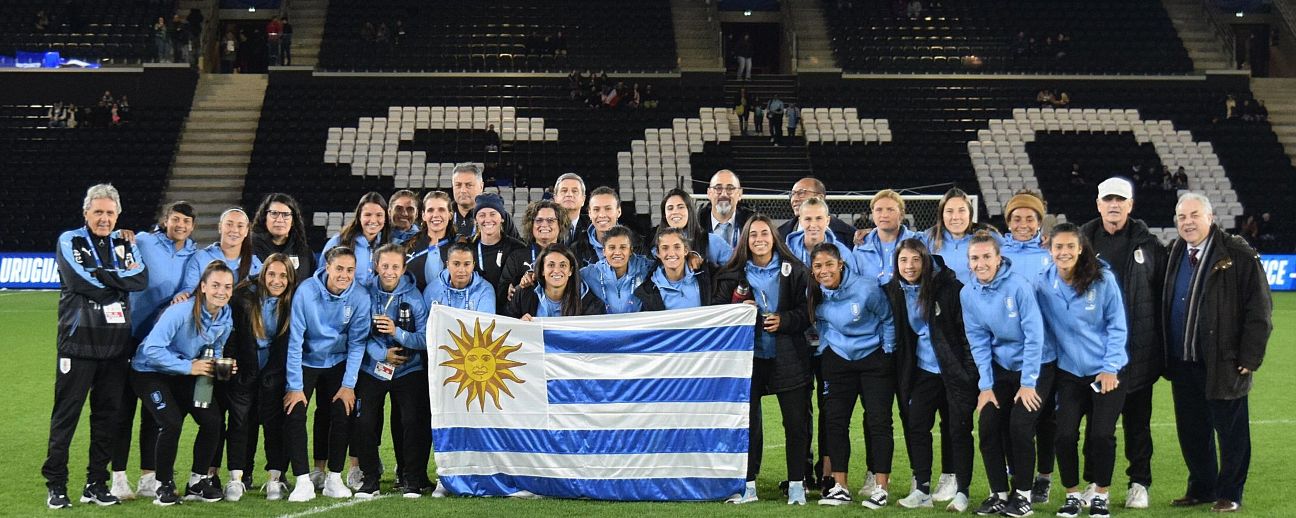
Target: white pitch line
{"type": "Point", "coordinates": [327, 508]}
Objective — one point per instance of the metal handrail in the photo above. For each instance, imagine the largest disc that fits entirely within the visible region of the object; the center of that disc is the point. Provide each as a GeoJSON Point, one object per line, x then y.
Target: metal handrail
{"type": "Point", "coordinates": [1223, 32]}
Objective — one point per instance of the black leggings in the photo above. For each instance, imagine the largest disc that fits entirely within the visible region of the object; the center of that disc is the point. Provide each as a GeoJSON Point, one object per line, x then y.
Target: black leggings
{"type": "Point", "coordinates": [871, 380]}
{"type": "Point", "coordinates": [270, 414]}
{"type": "Point", "coordinates": [1011, 428]}
{"type": "Point", "coordinates": [169, 398]}
{"type": "Point", "coordinates": [793, 405]}
{"type": "Point", "coordinates": [328, 381]}
{"type": "Point", "coordinates": [1075, 400]}
{"type": "Point", "coordinates": [242, 423]}
{"type": "Point", "coordinates": [410, 394]}
{"type": "Point", "coordinates": [930, 395]}
{"type": "Point", "coordinates": [147, 432]}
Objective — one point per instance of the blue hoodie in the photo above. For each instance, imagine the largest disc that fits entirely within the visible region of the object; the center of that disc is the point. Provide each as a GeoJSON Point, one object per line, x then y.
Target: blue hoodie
{"type": "Point", "coordinates": [200, 259]}
{"type": "Point", "coordinates": [1003, 325]}
{"type": "Point", "coordinates": [678, 295]}
{"type": "Point", "coordinates": [1088, 331]}
{"type": "Point", "coordinates": [796, 244]}
{"type": "Point", "coordinates": [855, 319]}
{"type": "Point", "coordinates": [955, 253]}
{"type": "Point", "coordinates": [401, 237]}
{"type": "Point", "coordinates": [1029, 257]}
{"type": "Point", "coordinates": [719, 251]}
{"type": "Point", "coordinates": [550, 308]}
{"type": "Point", "coordinates": [389, 303]}
{"type": "Point", "coordinates": [479, 295]}
{"type": "Point", "coordinates": [925, 353]}
{"type": "Point", "coordinates": [764, 282]}
{"type": "Point", "coordinates": [166, 271]}
{"type": "Point", "coordinates": [617, 293]}
{"type": "Point", "coordinates": [269, 319]}
{"type": "Point", "coordinates": [877, 259]}
{"type": "Point", "coordinates": [363, 255]}
{"type": "Point", "coordinates": [173, 345]}
{"type": "Point", "coordinates": [327, 329]}
{"type": "Point", "coordinates": [592, 235]}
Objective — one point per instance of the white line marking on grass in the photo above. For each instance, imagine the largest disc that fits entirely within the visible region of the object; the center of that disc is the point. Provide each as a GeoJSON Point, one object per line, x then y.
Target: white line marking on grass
{"type": "Point", "coordinates": [333, 507]}
{"type": "Point", "coordinates": [1254, 422]}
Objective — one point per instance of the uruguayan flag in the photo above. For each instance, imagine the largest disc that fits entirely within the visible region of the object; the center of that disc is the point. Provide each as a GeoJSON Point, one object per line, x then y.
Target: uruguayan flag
{"type": "Point", "coordinates": [645, 406]}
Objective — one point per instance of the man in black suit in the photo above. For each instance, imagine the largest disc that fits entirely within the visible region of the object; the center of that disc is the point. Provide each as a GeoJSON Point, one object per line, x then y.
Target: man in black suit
{"type": "Point", "coordinates": [723, 216]}
{"type": "Point", "coordinates": [803, 190]}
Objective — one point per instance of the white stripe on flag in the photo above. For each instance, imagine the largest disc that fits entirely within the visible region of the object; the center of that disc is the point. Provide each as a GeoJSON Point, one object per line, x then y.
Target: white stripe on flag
{"type": "Point", "coordinates": [613, 366]}
{"type": "Point", "coordinates": [694, 318]}
{"type": "Point", "coordinates": [646, 416]}
{"type": "Point", "coordinates": [654, 465]}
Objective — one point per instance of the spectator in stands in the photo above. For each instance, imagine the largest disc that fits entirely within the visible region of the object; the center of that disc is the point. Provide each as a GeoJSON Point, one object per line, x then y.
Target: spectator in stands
{"type": "Point", "coordinates": [161, 40]}
{"type": "Point", "coordinates": [398, 32]}
{"type": "Point", "coordinates": [1167, 178]}
{"type": "Point", "coordinates": [1181, 178]}
{"type": "Point", "coordinates": [1020, 45]}
{"type": "Point", "coordinates": [560, 44]}
{"type": "Point", "coordinates": [593, 98]}
{"type": "Point", "coordinates": [1063, 99]}
{"type": "Point", "coordinates": [1230, 107]}
{"type": "Point", "coordinates": [179, 35]}
{"type": "Point", "coordinates": [285, 41]}
{"type": "Point", "coordinates": [1250, 230]}
{"type": "Point", "coordinates": [611, 96]}
{"type": "Point", "coordinates": [742, 108]}
{"type": "Point", "coordinates": [1265, 227]}
{"type": "Point", "coordinates": [648, 99]}
{"type": "Point", "coordinates": [1061, 45]}
{"type": "Point", "coordinates": [229, 51]}
{"type": "Point", "coordinates": [1044, 98]}
{"type": "Point", "coordinates": [635, 99]}
{"type": "Point", "coordinates": [195, 25]}
{"type": "Point", "coordinates": [42, 21]}
{"type": "Point", "coordinates": [603, 81]}
{"type": "Point", "coordinates": [368, 33]}
{"type": "Point", "coordinates": [802, 190]}
{"type": "Point", "coordinates": [106, 99]}
{"type": "Point", "coordinates": [574, 80]}
{"type": "Point", "coordinates": [914, 9]}
{"type": "Point", "coordinates": [383, 35]}
{"type": "Point", "coordinates": [274, 33]}
{"type": "Point", "coordinates": [743, 53]}
{"type": "Point", "coordinates": [492, 139]}
{"type": "Point", "coordinates": [775, 110]}
{"type": "Point", "coordinates": [1077, 177]}
{"type": "Point", "coordinates": [793, 118]}
{"type": "Point", "coordinates": [1261, 113]}
{"type": "Point", "coordinates": [724, 216]}
{"type": "Point", "coordinates": [56, 117]}
{"type": "Point", "coordinates": [758, 115]}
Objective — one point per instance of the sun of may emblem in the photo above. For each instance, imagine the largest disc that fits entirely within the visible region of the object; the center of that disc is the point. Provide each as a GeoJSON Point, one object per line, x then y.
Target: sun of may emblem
{"type": "Point", "coordinates": [481, 363]}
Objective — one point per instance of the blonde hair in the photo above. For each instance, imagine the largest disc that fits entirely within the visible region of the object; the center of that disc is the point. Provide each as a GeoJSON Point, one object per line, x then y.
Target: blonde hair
{"type": "Point", "coordinates": [888, 194]}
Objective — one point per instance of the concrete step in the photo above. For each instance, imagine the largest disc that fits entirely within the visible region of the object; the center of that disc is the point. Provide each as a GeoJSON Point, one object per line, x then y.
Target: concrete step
{"type": "Point", "coordinates": [232, 161]}
{"type": "Point", "coordinates": [224, 115]}
{"type": "Point", "coordinates": [189, 171]}
{"type": "Point", "coordinates": [216, 127]}
{"type": "Point", "coordinates": [213, 184]}
{"type": "Point", "coordinates": [217, 137]}
{"type": "Point", "coordinates": [214, 148]}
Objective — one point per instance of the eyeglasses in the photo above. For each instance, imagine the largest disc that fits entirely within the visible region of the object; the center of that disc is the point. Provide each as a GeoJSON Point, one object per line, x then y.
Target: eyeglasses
{"type": "Point", "coordinates": [727, 189]}
{"type": "Point", "coordinates": [274, 214]}
{"type": "Point", "coordinates": [545, 221]}
{"type": "Point", "coordinates": [800, 193]}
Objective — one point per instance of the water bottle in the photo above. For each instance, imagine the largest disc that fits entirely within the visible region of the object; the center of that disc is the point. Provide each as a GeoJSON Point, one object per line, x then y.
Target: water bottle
{"type": "Point", "coordinates": [203, 385]}
{"type": "Point", "coordinates": [741, 294]}
{"type": "Point", "coordinates": [405, 320]}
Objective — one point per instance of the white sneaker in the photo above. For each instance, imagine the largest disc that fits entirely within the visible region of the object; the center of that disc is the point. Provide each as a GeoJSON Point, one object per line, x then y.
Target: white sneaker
{"type": "Point", "coordinates": [148, 486]}
{"type": "Point", "coordinates": [1088, 495]}
{"type": "Point", "coordinates": [958, 504]}
{"type": "Point", "coordinates": [274, 489]}
{"type": "Point", "coordinates": [870, 483]}
{"type": "Point", "coordinates": [234, 490]}
{"type": "Point", "coordinates": [877, 499]}
{"type": "Point", "coordinates": [440, 491]}
{"type": "Point", "coordinates": [355, 477]}
{"type": "Point", "coordinates": [946, 488]}
{"type": "Point", "coordinates": [746, 497]}
{"type": "Point", "coordinates": [121, 486]}
{"type": "Point", "coordinates": [1137, 497]}
{"type": "Point", "coordinates": [915, 500]}
{"type": "Point", "coordinates": [303, 490]}
{"type": "Point", "coordinates": [317, 479]}
{"type": "Point", "coordinates": [334, 487]}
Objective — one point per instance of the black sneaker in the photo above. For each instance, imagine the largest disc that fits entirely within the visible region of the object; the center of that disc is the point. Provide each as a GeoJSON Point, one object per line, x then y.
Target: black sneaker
{"type": "Point", "coordinates": [838, 495]}
{"type": "Point", "coordinates": [97, 493]}
{"type": "Point", "coordinates": [206, 489]}
{"type": "Point", "coordinates": [783, 486]}
{"type": "Point", "coordinates": [368, 488]}
{"type": "Point", "coordinates": [247, 479]}
{"type": "Point", "coordinates": [991, 506]}
{"type": "Point", "coordinates": [1098, 507]}
{"type": "Point", "coordinates": [166, 494]}
{"type": "Point", "coordinates": [1040, 490]}
{"type": "Point", "coordinates": [826, 484]}
{"type": "Point", "coordinates": [58, 498]}
{"type": "Point", "coordinates": [1018, 506]}
{"type": "Point", "coordinates": [1070, 508]}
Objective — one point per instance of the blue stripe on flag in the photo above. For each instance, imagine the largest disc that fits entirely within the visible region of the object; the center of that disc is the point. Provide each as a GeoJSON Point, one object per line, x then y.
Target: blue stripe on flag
{"type": "Point", "coordinates": [654, 489]}
{"type": "Point", "coordinates": [724, 338]}
{"type": "Point", "coordinates": [586, 442]}
{"type": "Point", "coordinates": [651, 390]}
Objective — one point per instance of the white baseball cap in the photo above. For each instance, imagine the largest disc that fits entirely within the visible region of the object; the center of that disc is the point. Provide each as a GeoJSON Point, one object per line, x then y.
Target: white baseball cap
{"type": "Point", "coordinates": [1116, 186]}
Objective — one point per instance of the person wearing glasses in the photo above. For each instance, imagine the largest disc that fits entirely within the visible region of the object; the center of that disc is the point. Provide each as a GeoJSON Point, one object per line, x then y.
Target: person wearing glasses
{"type": "Point", "coordinates": [723, 216]}
{"type": "Point", "coordinates": [279, 228]}
{"type": "Point", "coordinates": [544, 224]}
{"type": "Point", "coordinates": [803, 190]}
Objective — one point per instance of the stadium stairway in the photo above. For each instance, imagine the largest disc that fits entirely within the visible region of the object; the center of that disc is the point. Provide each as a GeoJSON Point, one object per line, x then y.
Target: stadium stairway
{"type": "Point", "coordinates": [307, 17]}
{"type": "Point", "coordinates": [765, 166]}
{"type": "Point", "coordinates": [696, 33]}
{"type": "Point", "coordinates": [216, 147]}
{"type": "Point", "coordinates": [1279, 96]}
{"type": "Point", "coordinates": [814, 46]}
{"type": "Point", "coordinates": [1189, 19]}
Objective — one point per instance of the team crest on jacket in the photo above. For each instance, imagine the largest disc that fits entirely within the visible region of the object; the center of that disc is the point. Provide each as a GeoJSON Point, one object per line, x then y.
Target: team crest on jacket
{"type": "Point", "coordinates": [786, 269]}
{"type": "Point", "coordinates": [1138, 256]}
{"type": "Point", "coordinates": [1011, 306]}
{"type": "Point", "coordinates": [855, 310]}
{"type": "Point", "coordinates": [1089, 300]}
{"type": "Point", "coordinates": [346, 314]}
{"type": "Point", "coordinates": [65, 365]}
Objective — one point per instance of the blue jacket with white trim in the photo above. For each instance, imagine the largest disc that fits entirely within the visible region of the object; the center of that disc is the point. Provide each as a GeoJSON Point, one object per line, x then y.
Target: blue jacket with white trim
{"type": "Point", "coordinates": [1088, 330]}
{"type": "Point", "coordinates": [1004, 327]}
{"type": "Point", "coordinates": [95, 273]}
{"type": "Point", "coordinates": [173, 344]}
{"type": "Point", "coordinates": [165, 275]}
{"type": "Point", "coordinates": [327, 329]}
{"type": "Point", "coordinates": [389, 303]}
{"type": "Point", "coordinates": [855, 319]}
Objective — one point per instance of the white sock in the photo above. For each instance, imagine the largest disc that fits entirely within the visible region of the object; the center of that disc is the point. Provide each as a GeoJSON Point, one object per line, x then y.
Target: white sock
{"type": "Point", "coordinates": [1024, 493]}
{"type": "Point", "coordinates": [304, 479]}
{"type": "Point", "coordinates": [1100, 496]}
{"type": "Point", "coordinates": [751, 486]}
{"type": "Point", "coordinates": [1073, 494]}
{"type": "Point", "coordinates": [118, 475]}
{"type": "Point", "coordinates": [194, 478]}
{"type": "Point", "coordinates": [335, 476]}
{"type": "Point", "coordinates": [148, 477]}
{"type": "Point", "coordinates": [236, 475]}
{"type": "Point", "coordinates": [1003, 495]}
{"type": "Point", "coordinates": [796, 484]}
{"type": "Point", "coordinates": [276, 474]}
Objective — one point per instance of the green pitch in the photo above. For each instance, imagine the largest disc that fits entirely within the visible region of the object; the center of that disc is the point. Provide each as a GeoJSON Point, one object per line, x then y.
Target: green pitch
{"type": "Point", "coordinates": [27, 327]}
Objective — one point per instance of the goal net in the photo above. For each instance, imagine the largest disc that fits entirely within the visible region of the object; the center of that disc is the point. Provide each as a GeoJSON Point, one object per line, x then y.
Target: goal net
{"type": "Point", "coordinates": [920, 209]}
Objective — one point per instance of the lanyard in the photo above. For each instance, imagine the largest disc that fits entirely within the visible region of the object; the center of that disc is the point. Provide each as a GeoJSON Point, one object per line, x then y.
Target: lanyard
{"type": "Point", "coordinates": [94, 250]}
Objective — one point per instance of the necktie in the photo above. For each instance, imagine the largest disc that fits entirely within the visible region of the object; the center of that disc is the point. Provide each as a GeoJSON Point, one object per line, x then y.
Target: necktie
{"type": "Point", "coordinates": [726, 230]}
{"type": "Point", "coordinates": [1192, 257]}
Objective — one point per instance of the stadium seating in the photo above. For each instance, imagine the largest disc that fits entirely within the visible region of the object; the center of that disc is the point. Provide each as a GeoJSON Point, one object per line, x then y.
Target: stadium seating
{"type": "Point", "coordinates": [1106, 37]}
{"type": "Point", "coordinates": [113, 31]}
{"type": "Point", "coordinates": [451, 36]}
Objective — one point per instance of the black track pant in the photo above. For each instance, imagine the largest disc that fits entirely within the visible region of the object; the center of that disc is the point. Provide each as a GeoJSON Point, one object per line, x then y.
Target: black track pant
{"type": "Point", "coordinates": [1076, 400]}
{"type": "Point", "coordinates": [323, 383]}
{"type": "Point", "coordinates": [170, 399]}
{"type": "Point", "coordinates": [1046, 433]}
{"type": "Point", "coordinates": [931, 395]}
{"type": "Point", "coordinates": [76, 379]}
{"type": "Point", "coordinates": [410, 394]}
{"type": "Point", "coordinates": [796, 429]}
{"type": "Point", "coordinates": [1136, 421]}
{"type": "Point", "coordinates": [147, 432]}
{"type": "Point", "coordinates": [1010, 427]}
{"type": "Point", "coordinates": [242, 424]}
{"type": "Point", "coordinates": [270, 414]}
{"type": "Point", "coordinates": [1207, 428]}
{"type": "Point", "coordinates": [872, 381]}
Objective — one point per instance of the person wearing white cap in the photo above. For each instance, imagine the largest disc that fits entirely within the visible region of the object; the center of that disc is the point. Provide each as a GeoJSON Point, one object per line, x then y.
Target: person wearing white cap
{"type": "Point", "coordinates": [1137, 259]}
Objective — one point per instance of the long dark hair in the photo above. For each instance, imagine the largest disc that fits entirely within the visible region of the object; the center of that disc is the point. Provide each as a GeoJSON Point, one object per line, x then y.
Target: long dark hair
{"type": "Point", "coordinates": [571, 297]}
{"type": "Point", "coordinates": [200, 298]}
{"type": "Point", "coordinates": [742, 253]}
{"type": "Point", "coordinates": [937, 231]}
{"type": "Point", "coordinates": [282, 308]}
{"type": "Point", "coordinates": [296, 234]}
{"type": "Point", "coordinates": [692, 229]}
{"type": "Point", "coordinates": [352, 229]}
{"type": "Point", "coordinates": [926, 288]}
{"type": "Point", "coordinates": [245, 248]}
{"type": "Point", "coordinates": [815, 294]}
{"type": "Point", "coordinates": [1088, 270]}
